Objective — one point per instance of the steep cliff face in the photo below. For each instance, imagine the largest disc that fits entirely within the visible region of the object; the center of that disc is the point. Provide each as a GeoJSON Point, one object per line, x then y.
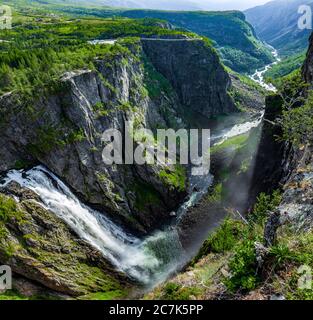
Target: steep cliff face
{"type": "Point", "coordinates": [264, 254]}
{"type": "Point", "coordinates": [235, 39]}
{"type": "Point", "coordinates": [272, 158]}
{"type": "Point", "coordinates": [293, 166]}
{"type": "Point", "coordinates": [307, 69]}
{"type": "Point", "coordinates": [194, 71]}
{"type": "Point", "coordinates": [62, 128]}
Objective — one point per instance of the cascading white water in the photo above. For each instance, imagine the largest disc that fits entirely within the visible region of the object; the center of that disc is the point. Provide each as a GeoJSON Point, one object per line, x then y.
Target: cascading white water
{"type": "Point", "coordinates": [137, 258]}
{"type": "Point", "coordinates": [148, 260]}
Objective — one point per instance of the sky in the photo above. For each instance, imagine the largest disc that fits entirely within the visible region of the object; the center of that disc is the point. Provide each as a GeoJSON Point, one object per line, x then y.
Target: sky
{"type": "Point", "coordinates": [229, 4]}
{"type": "Point", "coordinates": [185, 4]}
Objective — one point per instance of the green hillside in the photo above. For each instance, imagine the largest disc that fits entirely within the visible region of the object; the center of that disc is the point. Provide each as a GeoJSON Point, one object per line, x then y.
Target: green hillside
{"type": "Point", "coordinates": [234, 38]}
{"type": "Point", "coordinates": [285, 67]}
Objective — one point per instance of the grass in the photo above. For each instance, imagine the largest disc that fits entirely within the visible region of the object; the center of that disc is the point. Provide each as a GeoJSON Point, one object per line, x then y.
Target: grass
{"type": "Point", "coordinates": [15, 295]}
{"type": "Point", "coordinates": [234, 143]}
{"type": "Point", "coordinates": [175, 179]}
{"type": "Point", "coordinates": [9, 210]}
{"type": "Point", "coordinates": [12, 295]}
{"type": "Point", "coordinates": [215, 196]}
{"type": "Point", "coordinates": [238, 238]}
{"type": "Point", "coordinates": [222, 240]}
{"type": "Point", "coordinates": [156, 84]}
{"type": "Point", "coordinates": [110, 295]}
{"type": "Point", "coordinates": [174, 291]}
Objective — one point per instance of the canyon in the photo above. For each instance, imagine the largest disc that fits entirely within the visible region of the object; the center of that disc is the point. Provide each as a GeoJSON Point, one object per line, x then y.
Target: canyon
{"type": "Point", "coordinates": [74, 227]}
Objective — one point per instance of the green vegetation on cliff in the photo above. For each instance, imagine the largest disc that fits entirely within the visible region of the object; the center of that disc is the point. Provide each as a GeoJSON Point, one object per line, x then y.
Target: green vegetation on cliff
{"type": "Point", "coordinates": [39, 246]}
{"type": "Point", "coordinates": [227, 265]}
{"type": "Point", "coordinates": [36, 53]}
{"type": "Point", "coordinates": [231, 34]}
{"type": "Point", "coordinates": [296, 102]}
{"type": "Point", "coordinates": [284, 68]}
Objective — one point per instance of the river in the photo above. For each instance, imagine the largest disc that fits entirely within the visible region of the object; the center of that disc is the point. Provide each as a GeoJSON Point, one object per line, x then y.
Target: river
{"type": "Point", "coordinates": [258, 76]}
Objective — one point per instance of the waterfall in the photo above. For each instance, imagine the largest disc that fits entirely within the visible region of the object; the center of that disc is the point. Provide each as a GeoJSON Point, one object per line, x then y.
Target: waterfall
{"type": "Point", "coordinates": [144, 260]}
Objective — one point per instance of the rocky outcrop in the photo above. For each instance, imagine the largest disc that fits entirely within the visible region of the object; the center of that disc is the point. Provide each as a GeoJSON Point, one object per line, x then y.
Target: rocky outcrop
{"type": "Point", "coordinates": [296, 208]}
{"type": "Point", "coordinates": [193, 69]}
{"type": "Point", "coordinates": [40, 247]}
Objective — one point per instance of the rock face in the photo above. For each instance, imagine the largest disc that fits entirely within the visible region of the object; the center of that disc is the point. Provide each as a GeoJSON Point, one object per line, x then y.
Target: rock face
{"type": "Point", "coordinates": [296, 208]}
{"type": "Point", "coordinates": [39, 246]}
{"type": "Point", "coordinates": [194, 71]}
{"type": "Point", "coordinates": [229, 31]}
{"type": "Point", "coordinates": [307, 69]}
{"type": "Point", "coordinates": [62, 127]}
{"type": "Point", "coordinates": [276, 23]}
{"type": "Point", "coordinates": [272, 159]}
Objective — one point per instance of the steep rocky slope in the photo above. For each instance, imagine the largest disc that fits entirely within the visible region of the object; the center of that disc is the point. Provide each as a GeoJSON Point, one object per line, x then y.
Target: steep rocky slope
{"type": "Point", "coordinates": [208, 77]}
{"type": "Point", "coordinates": [46, 257]}
{"type": "Point", "coordinates": [233, 37]}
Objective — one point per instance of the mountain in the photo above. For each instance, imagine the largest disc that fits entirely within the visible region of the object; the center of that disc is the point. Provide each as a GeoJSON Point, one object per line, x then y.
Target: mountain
{"type": "Point", "coordinates": [135, 4]}
{"type": "Point", "coordinates": [277, 23]}
{"type": "Point", "coordinates": [170, 5]}
{"type": "Point", "coordinates": [234, 38]}
{"type": "Point", "coordinates": [154, 4]}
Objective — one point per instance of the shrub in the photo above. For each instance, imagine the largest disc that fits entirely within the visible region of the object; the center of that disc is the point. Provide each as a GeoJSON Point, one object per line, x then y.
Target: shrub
{"type": "Point", "coordinates": [215, 196]}
{"type": "Point", "coordinates": [281, 254]}
{"type": "Point", "coordinates": [222, 240]}
{"type": "Point", "coordinates": [297, 123]}
{"type": "Point", "coordinates": [175, 179]}
{"type": "Point", "coordinates": [174, 291]}
{"type": "Point", "coordinates": [8, 209]}
{"type": "Point", "coordinates": [243, 268]}
{"type": "Point", "coordinates": [264, 204]}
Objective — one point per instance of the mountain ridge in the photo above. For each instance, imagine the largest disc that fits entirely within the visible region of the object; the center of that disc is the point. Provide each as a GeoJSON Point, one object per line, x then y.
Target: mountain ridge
{"type": "Point", "coordinates": [277, 24]}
